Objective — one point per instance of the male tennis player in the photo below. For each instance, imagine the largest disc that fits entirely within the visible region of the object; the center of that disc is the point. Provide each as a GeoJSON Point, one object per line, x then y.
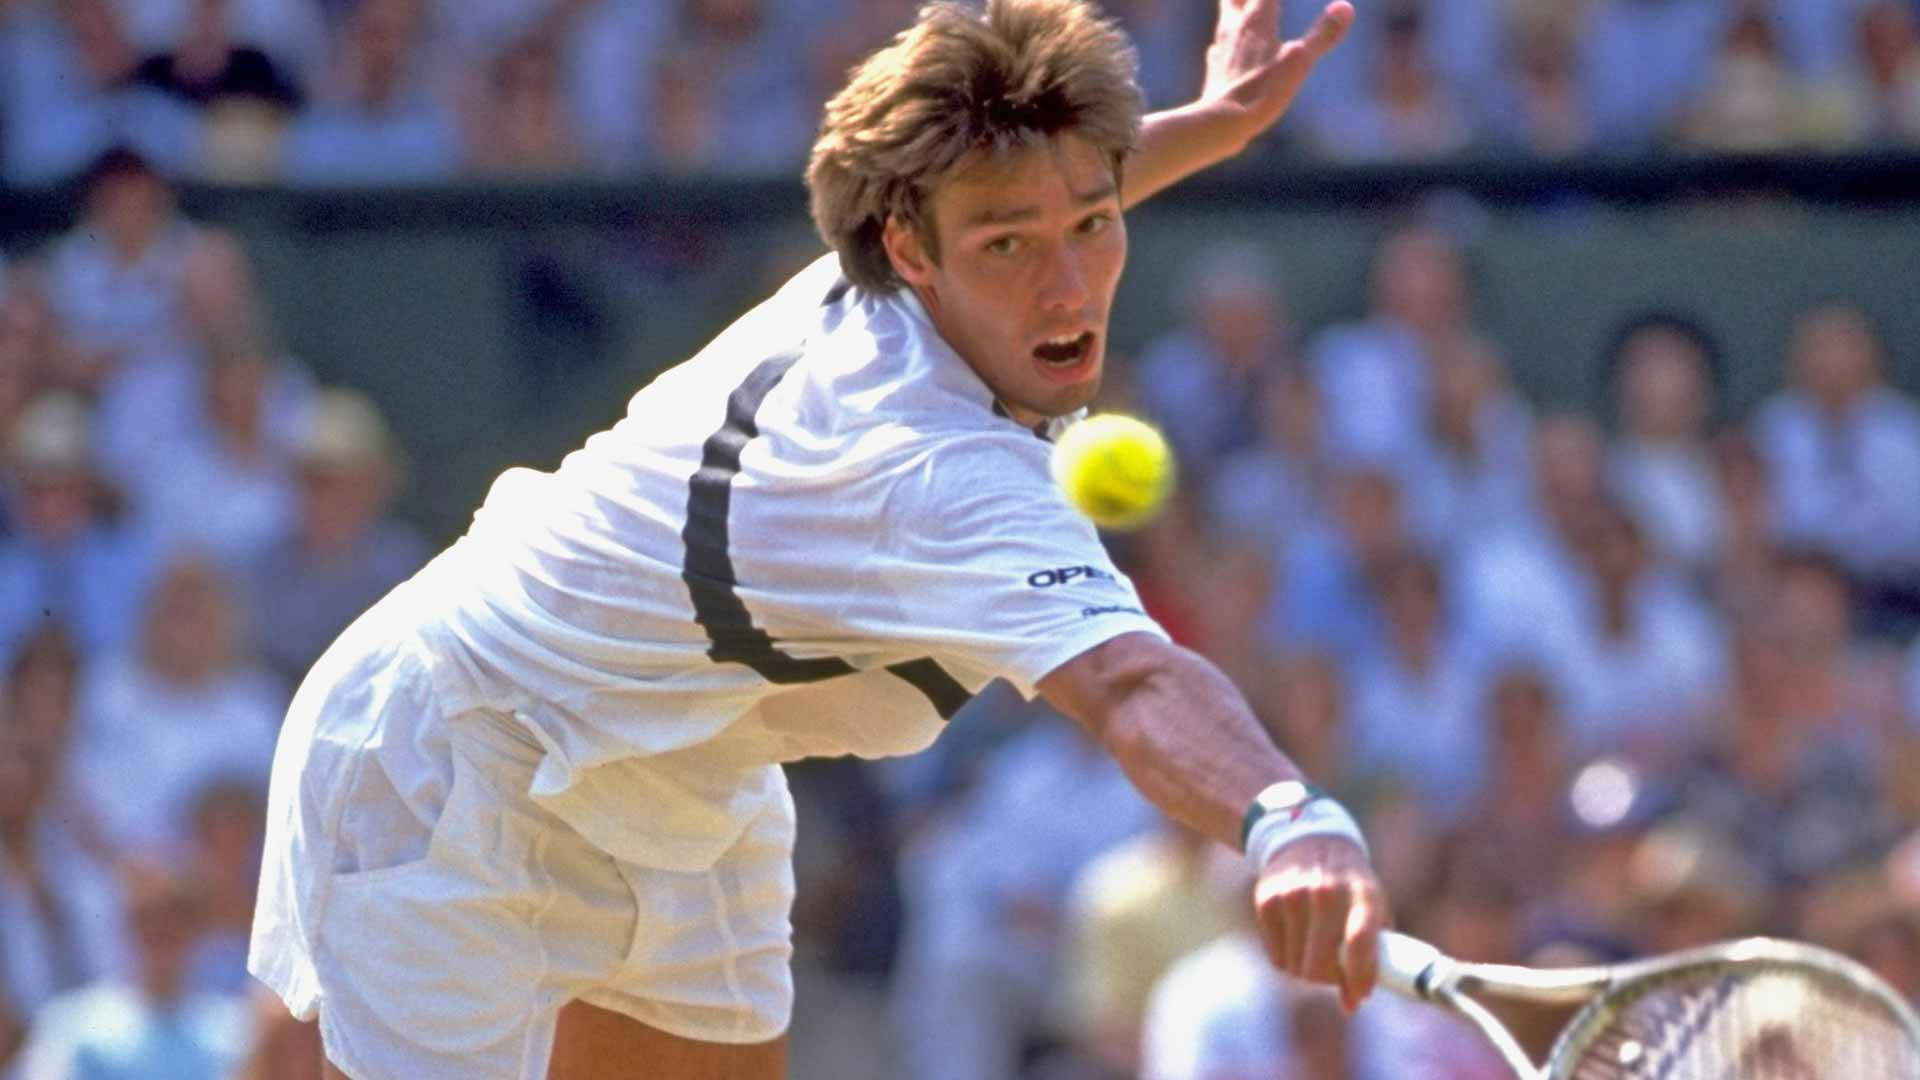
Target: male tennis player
{"type": "Point", "coordinates": [528, 817]}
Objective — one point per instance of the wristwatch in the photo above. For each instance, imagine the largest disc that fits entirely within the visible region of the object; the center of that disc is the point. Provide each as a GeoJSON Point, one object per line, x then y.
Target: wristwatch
{"type": "Point", "coordinates": [1287, 796]}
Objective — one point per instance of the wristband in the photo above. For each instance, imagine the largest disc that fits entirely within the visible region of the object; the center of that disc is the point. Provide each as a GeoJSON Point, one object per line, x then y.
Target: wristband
{"type": "Point", "coordinates": [1289, 811]}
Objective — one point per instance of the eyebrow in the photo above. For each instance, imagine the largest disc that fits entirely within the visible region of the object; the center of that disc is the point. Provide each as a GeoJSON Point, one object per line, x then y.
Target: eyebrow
{"type": "Point", "coordinates": [1020, 214]}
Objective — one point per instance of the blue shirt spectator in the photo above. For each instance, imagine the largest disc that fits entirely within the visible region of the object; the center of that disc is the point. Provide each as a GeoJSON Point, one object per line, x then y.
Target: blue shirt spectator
{"type": "Point", "coordinates": [1644, 59]}
{"type": "Point", "coordinates": [385, 119]}
{"type": "Point", "coordinates": [64, 78]}
{"type": "Point", "coordinates": [1843, 448]}
{"type": "Point", "coordinates": [67, 561]}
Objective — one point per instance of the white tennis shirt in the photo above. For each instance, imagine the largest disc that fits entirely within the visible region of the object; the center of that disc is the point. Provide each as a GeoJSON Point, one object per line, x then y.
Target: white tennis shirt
{"type": "Point", "coordinates": [819, 536]}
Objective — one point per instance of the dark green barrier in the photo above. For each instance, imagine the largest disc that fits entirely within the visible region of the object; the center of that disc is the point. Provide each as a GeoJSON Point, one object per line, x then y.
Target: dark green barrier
{"type": "Point", "coordinates": [500, 326]}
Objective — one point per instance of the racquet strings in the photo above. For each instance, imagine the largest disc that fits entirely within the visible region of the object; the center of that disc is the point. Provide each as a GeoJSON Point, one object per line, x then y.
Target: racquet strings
{"type": "Point", "coordinates": [1746, 1021]}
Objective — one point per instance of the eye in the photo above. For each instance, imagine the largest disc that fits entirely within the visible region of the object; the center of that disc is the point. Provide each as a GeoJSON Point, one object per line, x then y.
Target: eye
{"type": "Point", "coordinates": [1003, 245]}
{"type": "Point", "coordinates": [1095, 224]}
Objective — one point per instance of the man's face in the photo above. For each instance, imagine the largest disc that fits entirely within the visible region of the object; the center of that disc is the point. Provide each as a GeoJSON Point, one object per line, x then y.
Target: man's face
{"type": "Point", "coordinates": [1031, 244]}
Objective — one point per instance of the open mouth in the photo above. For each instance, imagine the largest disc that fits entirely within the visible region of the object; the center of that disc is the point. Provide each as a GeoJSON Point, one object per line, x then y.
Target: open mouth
{"type": "Point", "coordinates": [1064, 351]}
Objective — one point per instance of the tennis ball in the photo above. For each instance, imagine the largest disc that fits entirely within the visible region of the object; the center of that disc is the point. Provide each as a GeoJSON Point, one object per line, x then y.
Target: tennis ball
{"type": "Point", "coordinates": [1117, 469]}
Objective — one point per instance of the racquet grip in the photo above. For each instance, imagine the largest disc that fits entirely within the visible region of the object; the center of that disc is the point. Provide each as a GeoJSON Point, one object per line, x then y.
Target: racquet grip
{"type": "Point", "coordinates": [1406, 964]}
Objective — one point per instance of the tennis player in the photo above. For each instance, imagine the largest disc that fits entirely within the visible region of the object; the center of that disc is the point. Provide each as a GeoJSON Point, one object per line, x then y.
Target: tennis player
{"type": "Point", "coordinates": [528, 817]}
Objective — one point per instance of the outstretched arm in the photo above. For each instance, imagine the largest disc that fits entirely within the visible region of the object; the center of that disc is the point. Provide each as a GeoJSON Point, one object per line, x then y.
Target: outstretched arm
{"type": "Point", "coordinates": [1188, 741]}
{"type": "Point", "coordinates": [1251, 78]}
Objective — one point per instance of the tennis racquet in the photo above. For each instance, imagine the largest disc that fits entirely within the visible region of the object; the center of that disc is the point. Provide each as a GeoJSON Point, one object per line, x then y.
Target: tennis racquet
{"type": "Point", "coordinates": [1757, 1009]}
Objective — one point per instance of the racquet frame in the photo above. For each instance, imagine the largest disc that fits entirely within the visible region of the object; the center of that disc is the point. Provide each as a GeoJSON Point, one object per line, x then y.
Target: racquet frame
{"type": "Point", "coordinates": [1415, 969]}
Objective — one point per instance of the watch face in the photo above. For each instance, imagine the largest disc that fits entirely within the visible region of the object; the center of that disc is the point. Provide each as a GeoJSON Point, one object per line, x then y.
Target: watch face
{"type": "Point", "coordinates": [1285, 795]}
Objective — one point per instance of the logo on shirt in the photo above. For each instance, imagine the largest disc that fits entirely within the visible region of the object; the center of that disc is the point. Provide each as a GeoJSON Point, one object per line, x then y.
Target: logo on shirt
{"type": "Point", "coordinates": [1109, 609]}
{"type": "Point", "coordinates": [1047, 579]}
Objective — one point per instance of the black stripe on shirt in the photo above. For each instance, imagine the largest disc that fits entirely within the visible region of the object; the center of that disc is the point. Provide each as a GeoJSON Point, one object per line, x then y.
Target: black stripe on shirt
{"type": "Point", "coordinates": [942, 689]}
{"type": "Point", "coordinates": [709, 572]}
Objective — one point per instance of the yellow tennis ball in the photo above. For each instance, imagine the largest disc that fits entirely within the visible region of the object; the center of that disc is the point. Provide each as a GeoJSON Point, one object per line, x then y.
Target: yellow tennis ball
{"type": "Point", "coordinates": [1117, 469]}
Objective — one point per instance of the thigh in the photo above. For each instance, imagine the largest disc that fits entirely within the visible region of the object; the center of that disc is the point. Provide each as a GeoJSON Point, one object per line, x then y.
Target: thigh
{"type": "Point", "coordinates": [592, 1043]}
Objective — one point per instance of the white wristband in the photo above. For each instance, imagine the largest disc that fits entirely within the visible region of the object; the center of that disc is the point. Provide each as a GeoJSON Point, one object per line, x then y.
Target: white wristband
{"type": "Point", "coordinates": [1319, 816]}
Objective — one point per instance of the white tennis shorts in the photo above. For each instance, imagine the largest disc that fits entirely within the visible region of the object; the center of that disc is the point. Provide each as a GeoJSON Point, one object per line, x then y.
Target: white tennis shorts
{"type": "Point", "coordinates": [436, 919]}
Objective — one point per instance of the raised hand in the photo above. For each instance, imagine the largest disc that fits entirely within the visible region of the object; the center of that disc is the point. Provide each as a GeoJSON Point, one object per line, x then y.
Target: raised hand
{"type": "Point", "coordinates": [1250, 69]}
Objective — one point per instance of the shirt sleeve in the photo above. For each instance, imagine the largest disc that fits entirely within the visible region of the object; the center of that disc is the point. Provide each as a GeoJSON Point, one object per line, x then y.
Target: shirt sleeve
{"type": "Point", "coordinates": [992, 572]}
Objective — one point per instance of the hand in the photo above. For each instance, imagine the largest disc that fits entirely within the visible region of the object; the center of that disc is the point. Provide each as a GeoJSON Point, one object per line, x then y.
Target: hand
{"type": "Point", "coordinates": [1256, 75]}
{"type": "Point", "coordinates": [1320, 908]}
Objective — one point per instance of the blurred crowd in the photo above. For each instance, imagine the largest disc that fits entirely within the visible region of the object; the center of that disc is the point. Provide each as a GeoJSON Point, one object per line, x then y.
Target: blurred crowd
{"type": "Point", "coordinates": [1600, 684]}
{"type": "Point", "coordinates": [398, 91]}
{"type": "Point", "coordinates": [186, 521]}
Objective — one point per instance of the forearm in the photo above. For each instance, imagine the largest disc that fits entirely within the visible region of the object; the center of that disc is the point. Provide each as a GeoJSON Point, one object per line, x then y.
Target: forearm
{"type": "Point", "coordinates": [1184, 735]}
{"type": "Point", "coordinates": [1176, 143]}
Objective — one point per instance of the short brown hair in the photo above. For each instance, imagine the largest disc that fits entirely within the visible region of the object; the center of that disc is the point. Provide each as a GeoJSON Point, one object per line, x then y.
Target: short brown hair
{"type": "Point", "coordinates": [954, 83]}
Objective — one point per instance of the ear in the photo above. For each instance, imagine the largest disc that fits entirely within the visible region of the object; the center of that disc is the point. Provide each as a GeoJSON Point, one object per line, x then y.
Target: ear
{"type": "Point", "coordinates": [907, 254]}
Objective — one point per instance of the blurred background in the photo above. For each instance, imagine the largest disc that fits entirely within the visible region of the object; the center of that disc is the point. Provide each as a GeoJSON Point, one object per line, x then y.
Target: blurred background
{"type": "Point", "coordinates": [1551, 486]}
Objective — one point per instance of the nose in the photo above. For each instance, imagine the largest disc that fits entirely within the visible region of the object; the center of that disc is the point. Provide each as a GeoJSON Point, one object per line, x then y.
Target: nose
{"type": "Point", "coordinates": [1063, 285]}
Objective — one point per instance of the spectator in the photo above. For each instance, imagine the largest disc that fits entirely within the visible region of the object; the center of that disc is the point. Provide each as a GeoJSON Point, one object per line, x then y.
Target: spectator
{"type": "Point", "coordinates": [519, 123]}
{"type": "Point", "coordinates": [1539, 108]}
{"type": "Point", "coordinates": [1578, 591]}
{"type": "Point", "coordinates": [986, 893]}
{"type": "Point", "coordinates": [1742, 571]}
{"type": "Point", "coordinates": [70, 559]}
{"type": "Point", "coordinates": [209, 64]}
{"type": "Point", "coordinates": [182, 709]}
{"type": "Point", "coordinates": [342, 551]}
{"type": "Point", "coordinates": [228, 827]}
{"type": "Point", "coordinates": [1204, 382]}
{"type": "Point", "coordinates": [243, 94]}
{"type": "Point", "coordinates": [1131, 913]}
{"type": "Point", "coordinates": [1648, 662]}
{"type": "Point", "coordinates": [1643, 60]}
{"type": "Point", "coordinates": [1863, 913]}
{"type": "Point", "coordinates": [134, 282]}
{"type": "Point", "coordinates": [1474, 470]}
{"type": "Point", "coordinates": [1221, 1011]}
{"type": "Point", "coordinates": [66, 73]}
{"type": "Point", "coordinates": [60, 921]}
{"type": "Point", "coordinates": [1469, 907]}
{"type": "Point", "coordinates": [1753, 100]}
{"type": "Point", "coordinates": [1416, 691]}
{"type": "Point", "coordinates": [1791, 770]}
{"type": "Point", "coordinates": [1408, 111]}
{"type": "Point", "coordinates": [152, 1024]}
{"type": "Point", "coordinates": [22, 361]}
{"type": "Point", "coordinates": [1520, 803]}
{"type": "Point", "coordinates": [1882, 86]}
{"type": "Point", "coordinates": [41, 685]}
{"type": "Point", "coordinates": [382, 117]}
{"type": "Point", "coordinates": [1311, 722]}
{"type": "Point", "coordinates": [1320, 600]}
{"type": "Point", "coordinates": [1516, 580]}
{"type": "Point", "coordinates": [231, 492]}
{"type": "Point", "coordinates": [608, 47]}
{"type": "Point", "coordinates": [1373, 377]}
{"type": "Point", "coordinates": [1843, 448]}
{"type": "Point", "coordinates": [1692, 887]}
{"type": "Point", "coordinates": [1661, 371]}
{"type": "Point", "coordinates": [731, 93]}
{"type": "Point", "coordinates": [1259, 493]}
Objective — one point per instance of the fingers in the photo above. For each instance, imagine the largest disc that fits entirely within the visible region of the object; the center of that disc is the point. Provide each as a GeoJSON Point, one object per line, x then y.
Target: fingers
{"type": "Point", "coordinates": [1359, 950]}
{"type": "Point", "coordinates": [1320, 915]}
{"type": "Point", "coordinates": [1326, 915]}
{"type": "Point", "coordinates": [1328, 29]}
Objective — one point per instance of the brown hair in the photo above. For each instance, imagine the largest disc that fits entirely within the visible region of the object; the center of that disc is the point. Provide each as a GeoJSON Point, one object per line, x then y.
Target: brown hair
{"type": "Point", "coordinates": [954, 83]}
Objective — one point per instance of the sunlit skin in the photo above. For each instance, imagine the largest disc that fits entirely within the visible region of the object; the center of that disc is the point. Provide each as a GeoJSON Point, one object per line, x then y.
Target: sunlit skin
{"type": "Point", "coordinates": [1030, 248]}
